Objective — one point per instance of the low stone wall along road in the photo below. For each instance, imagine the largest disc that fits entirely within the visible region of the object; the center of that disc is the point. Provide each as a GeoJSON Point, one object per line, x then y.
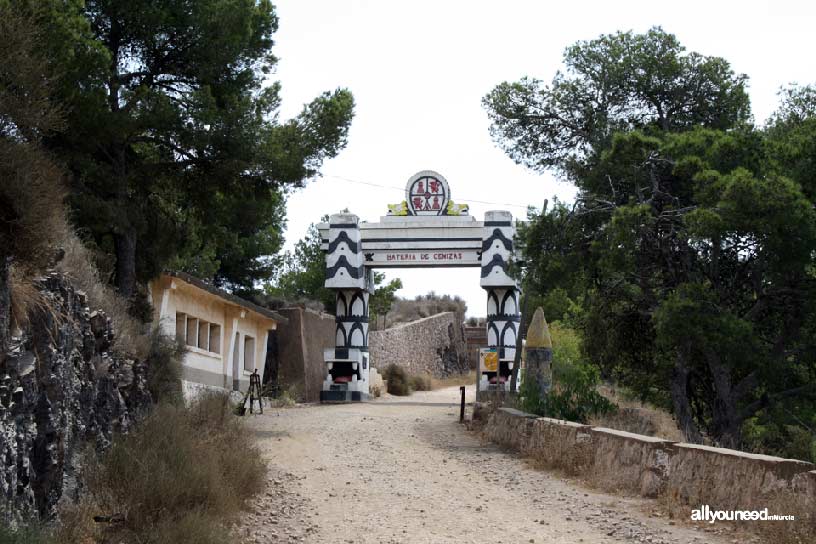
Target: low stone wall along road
{"type": "Point", "coordinates": [403, 470]}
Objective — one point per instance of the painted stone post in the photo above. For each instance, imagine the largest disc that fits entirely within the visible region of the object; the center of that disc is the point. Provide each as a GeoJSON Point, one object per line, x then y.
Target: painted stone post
{"type": "Point", "coordinates": [539, 354]}
{"type": "Point", "coordinates": [347, 366]}
{"type": "Point", "coordinates": [503, 312]}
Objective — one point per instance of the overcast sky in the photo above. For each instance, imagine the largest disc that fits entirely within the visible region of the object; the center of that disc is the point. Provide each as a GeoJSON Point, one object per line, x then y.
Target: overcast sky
{"type": "Point", "coordinates": [419, 69]}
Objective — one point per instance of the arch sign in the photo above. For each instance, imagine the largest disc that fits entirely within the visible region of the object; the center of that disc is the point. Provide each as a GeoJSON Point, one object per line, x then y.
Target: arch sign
{"type": "Point", "coordinates": [427, 229]}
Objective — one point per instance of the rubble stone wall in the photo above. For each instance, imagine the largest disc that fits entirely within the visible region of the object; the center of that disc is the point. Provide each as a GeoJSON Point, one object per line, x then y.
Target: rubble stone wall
{"type": "Point", "coordinates": [433, 345]}
{"type": "Point", "coordinates": [688, 475]}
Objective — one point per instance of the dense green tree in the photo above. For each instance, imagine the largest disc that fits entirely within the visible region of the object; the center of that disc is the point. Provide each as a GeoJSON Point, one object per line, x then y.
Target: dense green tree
{"type": "Point", "coordinates": [173, 137]}
{"type": "Point", "coordinates": [383, 298]}
{"type": "Point", "coordinates": [618, 82]}
{"type": "Point", "coordinates": [690, 246]}
{"type": "Point", "coordinates": [302, 273]}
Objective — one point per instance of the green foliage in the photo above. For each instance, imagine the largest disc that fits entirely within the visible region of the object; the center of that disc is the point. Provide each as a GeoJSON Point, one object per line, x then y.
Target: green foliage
{"type": "Point", "coordinates": [574, 395]}
{"type": "Point", "coordinates": [164, 368]}
{"type": "Point", "coordinates": [688, 257]}
{"type": "Point", "coordinates": [302, 273]}
{"type": "Point", "coordinates": [381, 301]}
{"type": "Point", "coordinates": [175, 148]}
{"type": "Point", "coordinates": [616, 82]}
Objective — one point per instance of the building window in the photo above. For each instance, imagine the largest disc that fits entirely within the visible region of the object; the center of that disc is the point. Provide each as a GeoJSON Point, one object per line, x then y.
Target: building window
{"type": "Point", "coordinates": [249, 353]}
{"type": "Point", "coordinates": [192, 331]}
{"type": "Point", "coordinates": [215, 338]}
{"type": "Point", "coordinates": [198, 333]}
{"type": "Point", "coordinates": [203, 335]}
{"type": "Point", "coordinates": [181, 327]}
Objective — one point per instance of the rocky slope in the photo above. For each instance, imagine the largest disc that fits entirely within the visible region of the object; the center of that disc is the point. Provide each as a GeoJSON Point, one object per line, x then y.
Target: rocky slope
{"type": "Point", "coordinates": [62, 392]}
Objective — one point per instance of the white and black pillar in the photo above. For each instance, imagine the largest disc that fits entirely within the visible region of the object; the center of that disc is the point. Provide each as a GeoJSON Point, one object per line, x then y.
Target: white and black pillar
{"type": "Point", "coordinates": [347, 364]}
{"type": "Point", "coordinates": [503, 297]}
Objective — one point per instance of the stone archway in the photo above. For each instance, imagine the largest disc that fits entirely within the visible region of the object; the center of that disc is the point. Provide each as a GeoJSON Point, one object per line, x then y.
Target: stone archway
{"type": "Point", "coordinates": [426, 230]}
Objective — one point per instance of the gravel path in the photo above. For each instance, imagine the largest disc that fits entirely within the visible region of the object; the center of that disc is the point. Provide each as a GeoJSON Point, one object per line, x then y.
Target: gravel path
{"type": "Point", "coordinates": [404, 471]}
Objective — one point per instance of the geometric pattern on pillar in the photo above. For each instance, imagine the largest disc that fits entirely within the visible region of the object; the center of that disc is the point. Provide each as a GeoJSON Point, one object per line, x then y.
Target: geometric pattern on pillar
{"type": "Point", "coordinates": [497, 249]}
{"type": "Point", "coordinates": [503, 319]}
{"type": "Point", "coordinates": [344, 259]}
{"type": "Point", "coordinates": [351, 319]}
{"type": "Point", "coordinates": [503, 312]}
{"type": "Point", "coordinates": [347, 368]}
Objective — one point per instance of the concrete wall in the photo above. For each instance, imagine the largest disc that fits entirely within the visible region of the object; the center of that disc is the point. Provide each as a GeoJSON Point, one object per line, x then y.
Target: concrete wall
{"type": "Point", "coordinates": [433, 345]}
{"type": "Point", "coordinates": [301, 342]}
{"type": "Point", "coordinates": [688, 475]}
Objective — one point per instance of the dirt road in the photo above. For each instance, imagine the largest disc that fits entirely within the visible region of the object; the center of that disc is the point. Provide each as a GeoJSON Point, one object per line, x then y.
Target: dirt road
{"type": "Point", "coordinates": [405, 471]}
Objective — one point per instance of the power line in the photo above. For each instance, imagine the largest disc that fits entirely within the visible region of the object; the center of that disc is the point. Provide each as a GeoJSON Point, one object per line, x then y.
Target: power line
{"type": "Point", "coordinates": [401, 189]}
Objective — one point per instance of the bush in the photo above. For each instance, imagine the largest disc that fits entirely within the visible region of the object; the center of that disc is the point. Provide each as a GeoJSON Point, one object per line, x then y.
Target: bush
{"type": "Point", "coordinates": [78, 263]}
{"type": "Point", "coordinates": [398, 380]}
{"type": "Point", "coordinates": [574, 395]}
{"type": "Point", "coordinates": [179, 475]}
{"type": "Point", "coordinates": [421, 382]}
{"type": "Point", "coordinates": [164, 368]}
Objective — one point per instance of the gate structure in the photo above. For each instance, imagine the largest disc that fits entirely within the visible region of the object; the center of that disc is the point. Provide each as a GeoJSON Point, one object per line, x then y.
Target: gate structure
{"type": "Point", "coordinates": [426, 230]}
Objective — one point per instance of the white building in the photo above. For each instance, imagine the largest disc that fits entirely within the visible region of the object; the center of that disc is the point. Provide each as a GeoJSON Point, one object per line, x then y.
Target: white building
{"type": "Point", "coordinates": [226, 336]}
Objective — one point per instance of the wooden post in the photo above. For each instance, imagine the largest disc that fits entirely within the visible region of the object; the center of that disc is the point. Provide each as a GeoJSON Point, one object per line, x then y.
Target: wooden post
{"type": "Point", "coordinates": [462, 406]}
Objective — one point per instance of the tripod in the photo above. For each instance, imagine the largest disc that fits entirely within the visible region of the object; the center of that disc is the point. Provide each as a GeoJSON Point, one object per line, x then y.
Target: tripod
{"type": "Point", "coordinates": [255, 391]}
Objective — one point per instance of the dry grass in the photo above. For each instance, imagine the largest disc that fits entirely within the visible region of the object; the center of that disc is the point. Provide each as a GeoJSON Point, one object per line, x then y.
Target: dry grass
{"type": "Point", "coordinates": [421, 382]}
{"type": "Point", "coordinates": [397, 379]}
{"type": "Point", "coordinates": [454, 380]}
{"type": "Point", "coordinates": [176, 479]}
{"type": "Point", "coordinates": [131, 337]}
{"type": "Point", "coordinates": [800, 531]}
{"type": "Point", "coordinates": [25, 299]}
{"type": "Point", "coordinates": [636, 417]}
{"type": "Point", "coordinates": [406, 311]}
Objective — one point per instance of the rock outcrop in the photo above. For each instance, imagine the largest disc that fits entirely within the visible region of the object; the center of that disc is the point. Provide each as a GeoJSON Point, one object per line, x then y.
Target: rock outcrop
{"type": "Point", "coordinates": [61, 391]}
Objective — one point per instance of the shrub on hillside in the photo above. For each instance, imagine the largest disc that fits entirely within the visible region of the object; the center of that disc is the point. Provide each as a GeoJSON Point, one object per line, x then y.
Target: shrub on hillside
{"type": "Point", "coordinates": [164, 368]}
{"type": "Point", "coordinates": [574, 395]}
{"type": "Point", "coordinates": [398, 381]}
{"type": "Point", "coordinates": [177, 476]}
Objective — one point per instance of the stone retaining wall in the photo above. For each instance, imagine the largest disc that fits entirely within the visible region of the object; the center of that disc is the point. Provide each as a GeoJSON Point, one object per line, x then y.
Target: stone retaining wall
{"type": "Point", "coordinates": [689, 475]}
{"type": "Point", "coordinates": [433, 345]}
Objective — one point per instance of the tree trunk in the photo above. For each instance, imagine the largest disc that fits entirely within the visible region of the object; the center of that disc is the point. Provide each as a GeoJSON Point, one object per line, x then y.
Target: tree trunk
{"type": "Point", "coordinates": [680, 399]}
{"type": "Point", "coordinates": [125, 262]}
{"type": "Point", "coordinates": [726, 423]}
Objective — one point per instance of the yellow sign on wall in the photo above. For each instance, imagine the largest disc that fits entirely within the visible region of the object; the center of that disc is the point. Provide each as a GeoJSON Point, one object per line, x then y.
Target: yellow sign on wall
{"type": "Point", "coordinates": [488, 360]}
